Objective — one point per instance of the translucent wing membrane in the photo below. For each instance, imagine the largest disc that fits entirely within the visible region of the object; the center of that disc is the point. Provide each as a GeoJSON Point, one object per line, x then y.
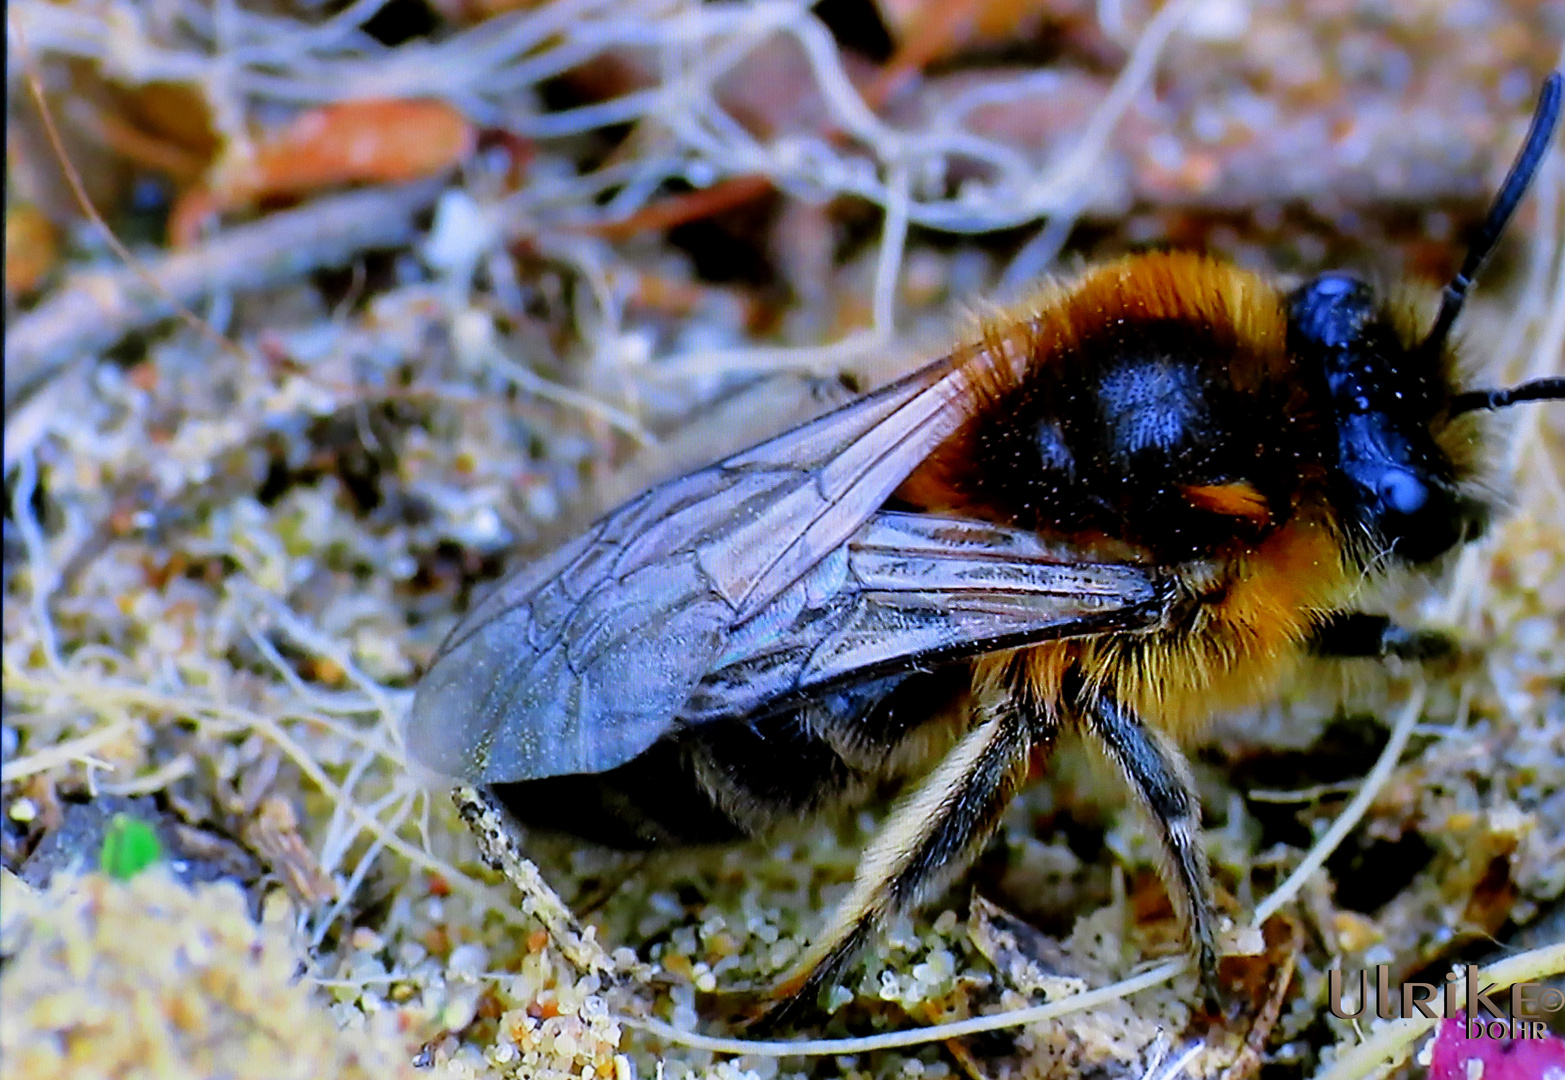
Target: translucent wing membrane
{"type": "Point", "coordinates": [767, 574]}
{"type": "Point", "coordinates": [912, 589]}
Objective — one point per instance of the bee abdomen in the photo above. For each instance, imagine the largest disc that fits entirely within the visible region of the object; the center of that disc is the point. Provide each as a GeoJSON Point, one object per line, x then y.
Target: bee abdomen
{"type": "Point", "coordinates": [712, 782]}
{"type": "Point", "coordinates": [650, 801]}
{"type": "Point", "coordinates": [728, 779]}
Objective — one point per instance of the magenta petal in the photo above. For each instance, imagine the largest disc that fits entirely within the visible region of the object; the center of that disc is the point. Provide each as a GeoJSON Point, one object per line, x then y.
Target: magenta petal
{"type": "Point", "coordinates": [1456, 1057]}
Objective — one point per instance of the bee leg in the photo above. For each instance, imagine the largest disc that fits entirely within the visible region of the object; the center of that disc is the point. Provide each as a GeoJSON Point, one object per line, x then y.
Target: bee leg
{"type": "Point", "coordinates": [1161, 781]}
{"type": "Point", "coordinates": [1358, 634]}
{"type": "Point", "coordinates": [496, 832]}
{"type": "Point", "coordinates": [927, 840]}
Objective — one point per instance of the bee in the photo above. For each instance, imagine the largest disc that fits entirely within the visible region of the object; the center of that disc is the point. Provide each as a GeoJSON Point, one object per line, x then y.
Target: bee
{"type": "Point", "coordinates": [1134, 504]}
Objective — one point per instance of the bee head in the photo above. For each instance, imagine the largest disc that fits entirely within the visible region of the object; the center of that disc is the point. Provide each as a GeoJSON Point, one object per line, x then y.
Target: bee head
{"type": "Point", "coordinates": [1394, 479]}
{"type": "Point", "coordinates": [1387, 397]}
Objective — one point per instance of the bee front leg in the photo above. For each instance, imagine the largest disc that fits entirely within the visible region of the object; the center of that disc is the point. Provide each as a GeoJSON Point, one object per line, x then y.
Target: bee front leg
{"type": "Point", "coordinates": [1358, 634]}
{"type": "Point", "coordinates": [928, 840]}
{"type": "Point", "coordinates": [1161, 782]}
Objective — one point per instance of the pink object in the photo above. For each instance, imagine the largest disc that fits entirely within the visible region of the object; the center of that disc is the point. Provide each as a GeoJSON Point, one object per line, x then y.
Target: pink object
{"type": "Point", "coordinates": [1457, 1057]}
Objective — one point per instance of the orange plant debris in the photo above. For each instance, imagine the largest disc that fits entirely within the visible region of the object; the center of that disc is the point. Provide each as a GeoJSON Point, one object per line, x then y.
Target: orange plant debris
{"type": "Point", "coordinates": [31, 249]}
{"type": "Point", "coordinates": [366, 142]}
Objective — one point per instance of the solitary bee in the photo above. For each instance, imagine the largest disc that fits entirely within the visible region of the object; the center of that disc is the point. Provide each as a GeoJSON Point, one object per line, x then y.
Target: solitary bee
{"type": "Point", "coordinates": [1136, 503]}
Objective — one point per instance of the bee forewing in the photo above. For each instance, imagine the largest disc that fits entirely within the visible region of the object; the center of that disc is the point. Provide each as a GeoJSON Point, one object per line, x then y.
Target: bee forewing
{"type": "Point", "coordinates": [578, 663]}
{"type": "Point", "coordinates": [911, 589]}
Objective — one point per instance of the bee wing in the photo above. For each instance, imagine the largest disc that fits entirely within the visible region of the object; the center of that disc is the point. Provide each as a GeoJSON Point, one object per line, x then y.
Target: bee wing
{"type": "Point", "coordinates": [579, 662]}
{"type": "Point", "coordinates": [917, 590]}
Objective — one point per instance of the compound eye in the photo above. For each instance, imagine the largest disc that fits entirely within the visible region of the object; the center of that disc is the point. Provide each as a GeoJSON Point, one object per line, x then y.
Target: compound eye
{"type": "Point", "coordinates": [1419, 518]}
{"type": "Point", "coordinates": [1402, 492]}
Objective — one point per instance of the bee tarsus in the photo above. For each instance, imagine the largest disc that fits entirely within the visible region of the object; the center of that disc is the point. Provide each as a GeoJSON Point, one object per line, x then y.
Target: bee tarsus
{"type": "Point", "coordinates": [1161, 782]}
{"type": "Point", "coordinates": [497, 834]}
{"type": "Point", "coordinates": [1359, 635]}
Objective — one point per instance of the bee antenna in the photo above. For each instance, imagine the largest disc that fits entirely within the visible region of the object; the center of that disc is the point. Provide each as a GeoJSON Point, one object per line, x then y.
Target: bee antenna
{"type": "Point", "coordinates": [1545, 118]}
{"type": "Point", "coordinates": [1537, 390]}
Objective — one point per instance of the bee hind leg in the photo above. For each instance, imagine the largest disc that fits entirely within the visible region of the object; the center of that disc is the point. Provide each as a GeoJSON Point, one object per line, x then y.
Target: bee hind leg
{"type": "Point", "coordinates": [1162, 784]}
{"type": "Point", "coordinates": [928, 839]}
{"type": "Point", "coordinates": [496, 832]}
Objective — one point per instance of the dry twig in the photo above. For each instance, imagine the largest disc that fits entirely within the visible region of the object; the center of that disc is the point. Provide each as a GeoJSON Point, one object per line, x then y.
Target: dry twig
{"type": "Point", "coordinates": [96, 308]}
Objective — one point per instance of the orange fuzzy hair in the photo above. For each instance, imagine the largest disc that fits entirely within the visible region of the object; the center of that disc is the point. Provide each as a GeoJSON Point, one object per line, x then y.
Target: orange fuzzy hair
{"type": "Point", "coordinates": [1254, 605]}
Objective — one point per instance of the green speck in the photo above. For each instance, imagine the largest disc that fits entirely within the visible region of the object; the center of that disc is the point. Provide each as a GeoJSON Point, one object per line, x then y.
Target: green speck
{"type": "Point", "coordinates": [129, 846]}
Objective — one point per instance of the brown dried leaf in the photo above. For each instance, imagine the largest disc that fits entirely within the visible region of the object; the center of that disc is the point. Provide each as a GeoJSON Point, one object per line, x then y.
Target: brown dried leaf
{"type": "Point", "coordinates": [179, 113]}
{"type": "Point", "coordinates": [1285, 940]}
{"type": "Point", "coordinates": [1025, 957]}
{"type": "Point", "coordinates": [985, 21]}
{"type": "Point", "coordinates": [32, 249]}
{"type": "Point", "coordinates": [365, 142]}
{"type": "Point", "coordinates": [927, 31]}
{"type": "Point", "coordinates": [273, 834]}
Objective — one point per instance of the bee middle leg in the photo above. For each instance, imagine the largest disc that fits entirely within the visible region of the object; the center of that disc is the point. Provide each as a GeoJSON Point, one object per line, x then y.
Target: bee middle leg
{"type": "Point", "coordinates": [928, 839]}
{"type": "Point", "coordinates": [1162, 784]}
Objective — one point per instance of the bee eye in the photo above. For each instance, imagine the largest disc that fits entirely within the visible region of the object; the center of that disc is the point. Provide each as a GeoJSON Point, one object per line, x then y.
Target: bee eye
{"type": "Point", "coordinates": [1419, 517]}
{"type": "Point", "coordinates": [1402, 492]}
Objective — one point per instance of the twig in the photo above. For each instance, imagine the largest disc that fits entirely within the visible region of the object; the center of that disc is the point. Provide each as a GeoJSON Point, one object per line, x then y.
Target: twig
{"type": "Point", "coordinates": [1355, 810]}
{"type": "Point", "coordinates": [916, 1036]}
{"type": "Point", "coordinates": [63, 753]}
{"type": "Point", "coordinates": [689, 206]}
{"type": "Point", "coordinates": [96, 308]}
